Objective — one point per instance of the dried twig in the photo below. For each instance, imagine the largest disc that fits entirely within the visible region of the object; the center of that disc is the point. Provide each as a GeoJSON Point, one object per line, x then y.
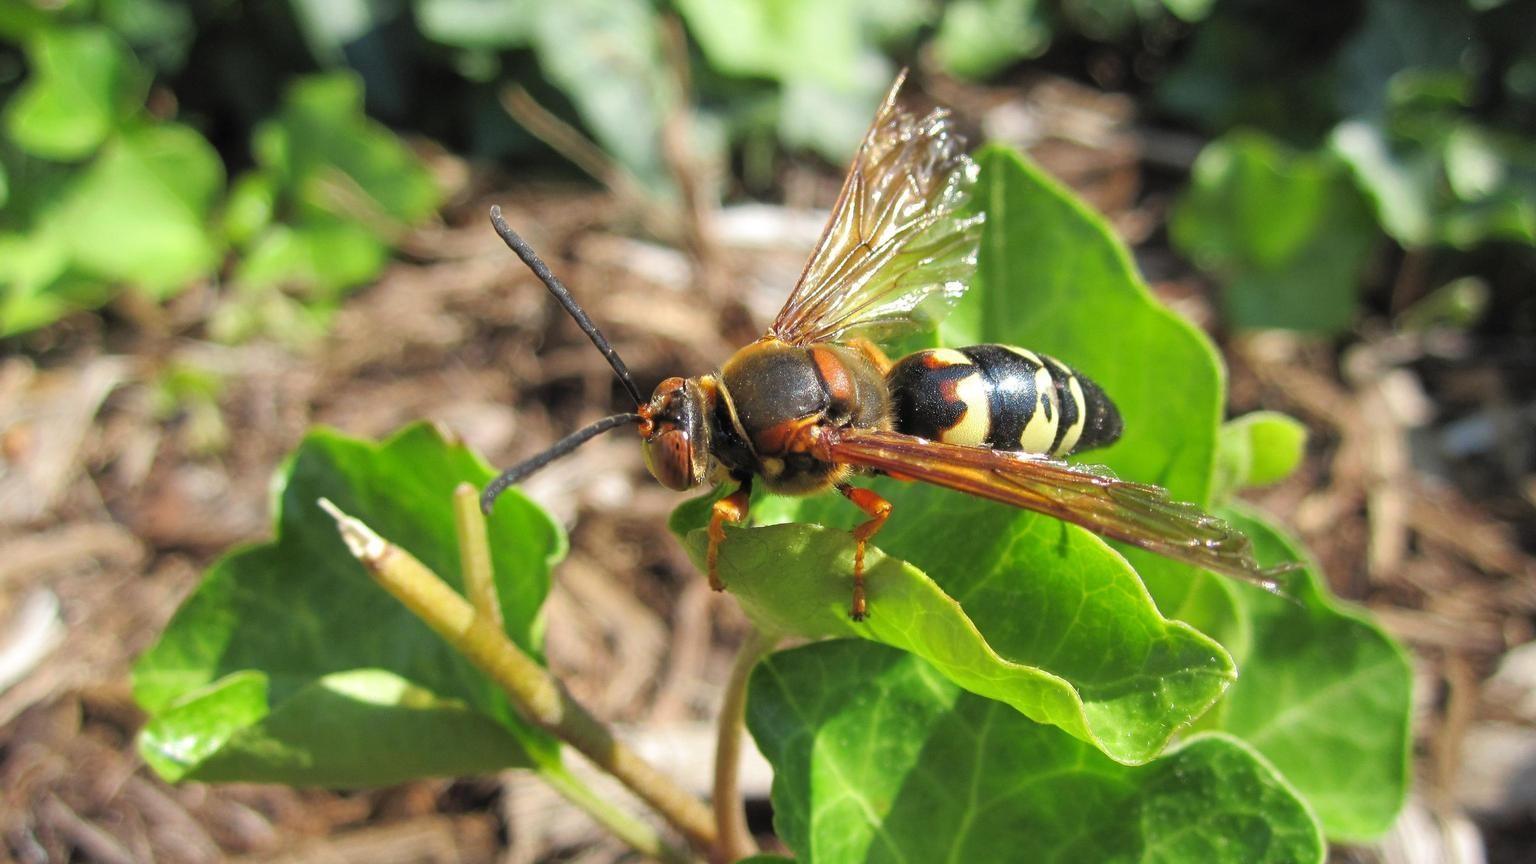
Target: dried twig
{"type": "Point", "coordinates": [569, 142]}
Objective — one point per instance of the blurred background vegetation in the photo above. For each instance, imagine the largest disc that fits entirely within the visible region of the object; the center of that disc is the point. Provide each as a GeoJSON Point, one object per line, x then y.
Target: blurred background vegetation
{"type": "Point", "coordinates": [199, 186]}
{"type": "Point", "coordinates": [149, 144]}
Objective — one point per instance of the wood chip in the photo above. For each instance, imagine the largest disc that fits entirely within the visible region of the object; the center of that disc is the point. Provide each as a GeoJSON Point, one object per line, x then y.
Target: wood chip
{"type": "Point", "coordinates": [43, 429]}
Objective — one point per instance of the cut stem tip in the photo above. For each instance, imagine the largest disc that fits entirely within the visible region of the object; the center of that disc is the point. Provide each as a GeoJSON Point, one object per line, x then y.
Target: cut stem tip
{"type": "Point", "coordinates": [362, 542]}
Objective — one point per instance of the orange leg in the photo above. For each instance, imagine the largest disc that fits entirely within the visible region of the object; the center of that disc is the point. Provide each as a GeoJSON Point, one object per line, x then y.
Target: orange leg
{"type": "Point", "coordinates": [731, 508]}
{"type": "Point", "coordinates": [878, 509]}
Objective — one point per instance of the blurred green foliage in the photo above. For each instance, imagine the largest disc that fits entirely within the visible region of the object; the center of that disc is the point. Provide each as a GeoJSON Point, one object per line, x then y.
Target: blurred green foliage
{"type": "Point", "coordinates": [331, 191]}
{"type": "Point", "coordinates": [123, 118]}
{"type": "Point", "coordinates": [1339, 131]}
{"type": "Point", "coordinates": [603, 59]}
{"type": "Point", "coordinates": [980, 37]}
{"type": "Point", "coordinates": [85, 83]}
{"type": "Point", "coordinates": [98, 193]}
{"type": "Point", "coordinates": [1429, 105]}
{"type": "Point", "coordinates": [189, 393]}
{"type": "Point", "coordinates": [1287, 232]}
{"type": "Point", "coordinates": [104, 192]}
{"type": "Point", "coordinates": [1257, 449]}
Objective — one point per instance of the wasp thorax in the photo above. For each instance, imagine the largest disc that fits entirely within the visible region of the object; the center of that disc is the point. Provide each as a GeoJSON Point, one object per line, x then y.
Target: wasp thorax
{"type": "Point", "coordinates": [676, 434]}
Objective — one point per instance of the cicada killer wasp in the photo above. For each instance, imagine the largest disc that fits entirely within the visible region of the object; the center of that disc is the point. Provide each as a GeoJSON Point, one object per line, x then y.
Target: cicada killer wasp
{"type": "Point", "coordinates": [815, 402]}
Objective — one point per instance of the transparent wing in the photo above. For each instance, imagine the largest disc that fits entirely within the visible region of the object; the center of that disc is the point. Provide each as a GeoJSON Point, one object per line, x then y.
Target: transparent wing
{"type": "Point", "coordinates": [1135, 513]}
{"type": "Point", "coordinates": [898, 250]}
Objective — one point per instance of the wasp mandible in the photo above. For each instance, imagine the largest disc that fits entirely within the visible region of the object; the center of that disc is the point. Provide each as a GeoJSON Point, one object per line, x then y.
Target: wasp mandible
{"type": "Point", "coordinates": [815, 401]}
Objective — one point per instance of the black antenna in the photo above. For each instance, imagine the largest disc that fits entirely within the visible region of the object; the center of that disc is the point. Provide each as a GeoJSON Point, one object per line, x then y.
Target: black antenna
{"type": "Point", "coordinates": [563, 295]}
{"type": "Point", "coordinates": [519, 472]}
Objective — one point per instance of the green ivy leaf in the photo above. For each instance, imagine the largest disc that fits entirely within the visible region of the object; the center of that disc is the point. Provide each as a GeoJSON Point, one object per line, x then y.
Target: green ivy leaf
{"type": "Point", "coordinates": [250, 208]}
{"type": "Point", "coordinates": [477, 23]}
{"type": "Point", "coordinates": [1052, 277]}
{"type": "Point", "coordinates": [1399, 181]}
{"type": "Point", "coordinates": [1398, 35]}
{"type": "Point", "coordinates": [1286, 233]}
{"type": "Point", "coordinates": [1257, 449]}
{"type": "Point", "coordinates": [229, 732]}
{"type": "Point", "coordinates": [140, 212]}
{"type": "Point", "coordinates": [84, 83]}
{"type": "Point", "coordinates": [336, 162]}
{"type": "Point", "coordinates": [825, 52]}
{"type": "Point", "coordinates": [330, 27]}
{"type": "Point", "coordinates": [1324, 694]}
{"type": "Point", "coordinates": [830, 119]}
{"type": "Point", "coordinates": [779, 40]}
{"type": "Point", "coordinates": [31, 270]}
{"type": "Point", "coordinates": [321, 256]}
{"type": "Point", "coordinates": [345, 186]}
{"type": "Point", "coordinates": [605, 55]}
{"type": "Point", "coordinates": [1044, 617]}
{"type": "Point", "coordinates": [879, 757]}
{"type": "Point", "coordinates": [1453, 181]}
{"type": "Point", "coordinates": [137, 214]}
{"type": "Point", "coordinates": [1190, 10]}
{"type": "Point", "coordinates": [21, 21]}
{"type": "Point", "coordinates": [1436, 171]}
{"type": "Point", "coordinates": [282, 642]}
{"type": "Point", "coordinates": [978, 38]}
{"type": "Point", "coordinates": [160, 32]}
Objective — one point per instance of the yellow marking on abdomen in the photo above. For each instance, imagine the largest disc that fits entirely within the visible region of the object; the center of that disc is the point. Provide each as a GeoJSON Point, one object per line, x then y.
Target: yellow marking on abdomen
{"type": "Point", "coordinates": [974, 424]}
{"type": "Point", "coordinates": [948, 357]}
{"type": "Point", "coordinates": [1026, 354]}
{"type": "Point", "coordinates": [1075, 431]}
{"type": "Point", "coordinates": [1040, 432]}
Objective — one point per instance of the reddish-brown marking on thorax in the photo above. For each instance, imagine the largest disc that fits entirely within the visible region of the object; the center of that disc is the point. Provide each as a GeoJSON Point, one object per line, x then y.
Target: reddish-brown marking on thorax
{"type": "Point", "coordinates": [775, 396]}
{"type": "Point", "coordinates": [834, 373]}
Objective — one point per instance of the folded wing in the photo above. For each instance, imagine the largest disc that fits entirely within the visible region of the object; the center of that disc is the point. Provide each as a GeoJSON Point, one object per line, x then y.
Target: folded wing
{"type": "Point", "coordinates": [899, 249]}
{"type": "Point", "coordinates": [1135, 513]}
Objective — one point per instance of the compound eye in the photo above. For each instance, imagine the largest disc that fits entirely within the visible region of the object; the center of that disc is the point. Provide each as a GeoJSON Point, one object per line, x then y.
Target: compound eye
{"type": "Point", "coordinates": [668, 390]}
{"type": "Point", "coordinates": [669, 456]}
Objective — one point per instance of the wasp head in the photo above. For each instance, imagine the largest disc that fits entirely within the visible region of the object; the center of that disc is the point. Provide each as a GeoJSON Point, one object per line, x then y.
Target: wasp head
{"type": "Point", "coordinates": [676, 434]}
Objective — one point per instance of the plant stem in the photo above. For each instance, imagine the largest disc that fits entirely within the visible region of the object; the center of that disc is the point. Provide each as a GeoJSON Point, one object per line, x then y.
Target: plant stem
{"type": "Point", "coordinates": [480, 585]}
{"type": "Point", "coordinates": [640, 836]}
{"type": "Point", "coordinates": [569, 142]}
{"type": "Point", "coordinates": [730, 810]}
{"type": "Point", "coordinates": [475, 554]}
{"type": "Point", "coordinates": [537, 694]}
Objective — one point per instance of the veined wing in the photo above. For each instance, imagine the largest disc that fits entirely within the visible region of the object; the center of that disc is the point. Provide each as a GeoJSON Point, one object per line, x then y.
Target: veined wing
{"type": "Point", "coordinates": [898, 250]}
{"type": "Point", "coordinates": [1135, 513]}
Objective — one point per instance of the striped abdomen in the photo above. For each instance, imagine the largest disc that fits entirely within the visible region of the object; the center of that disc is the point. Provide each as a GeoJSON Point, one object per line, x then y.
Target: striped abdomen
{"type": "Point", "coordinates": [1001, 397]}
